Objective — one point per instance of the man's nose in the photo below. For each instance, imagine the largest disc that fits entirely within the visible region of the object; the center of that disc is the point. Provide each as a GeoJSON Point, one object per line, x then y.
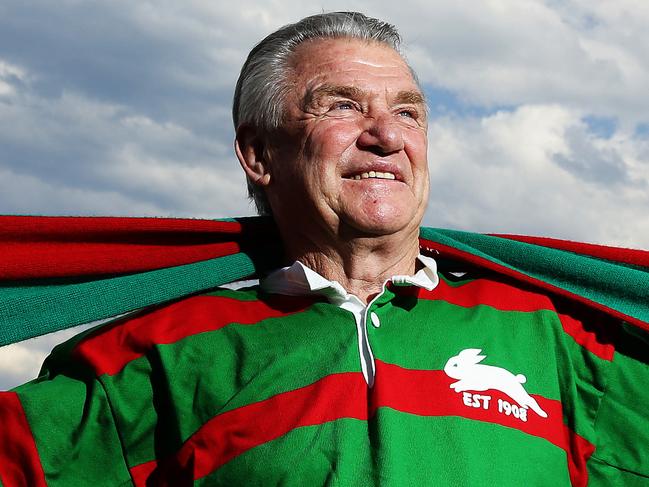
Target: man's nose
{"type": "Point", "coordinates": [381, 134]}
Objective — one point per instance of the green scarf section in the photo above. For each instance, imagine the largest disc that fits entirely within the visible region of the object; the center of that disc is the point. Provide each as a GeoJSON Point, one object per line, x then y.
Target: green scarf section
{"type": "Point", "coordinates": [619, 287]}
{"type": "Point", "coordinates": [36, 307]}
{"type": "Point", "coordinates": [31, 310]}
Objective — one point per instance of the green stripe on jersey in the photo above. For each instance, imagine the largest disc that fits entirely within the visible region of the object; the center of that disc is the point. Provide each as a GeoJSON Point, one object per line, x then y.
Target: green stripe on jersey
{"type": "Point", "coordinates": [625, 407]}
{"type": "Point", "coordinates": [398, 449]}
{"type": "Point", "coordinates": [77, 440]}
{"type": "Point", "coordinates": [601, 474]}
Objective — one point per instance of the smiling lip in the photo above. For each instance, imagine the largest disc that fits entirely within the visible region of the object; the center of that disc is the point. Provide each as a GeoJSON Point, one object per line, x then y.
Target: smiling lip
{"type": "Point", "coordinates": [378, 169]}
{"type": "Point", "coordinates": [373, 175]}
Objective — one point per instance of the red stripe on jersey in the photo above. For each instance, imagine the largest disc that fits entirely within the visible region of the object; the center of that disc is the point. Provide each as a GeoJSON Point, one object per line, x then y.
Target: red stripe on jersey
{"type": "Point", "coordinates": [234, 432]}
{"type": "Point", "coordinates": [588, 339]}
{"type": "Point", "coordinates": [109, 349]}
{"type": "Point", "coordinates": [428, 393]}
{"type": "Point", "coordinates": [505, 297]}
{"type": "Point", "coordinates": [142, 476]}
{"type": "Point", "coordinates": [19, 461]}
{"type": "Point", "coordinates": [579, 451]}
{"type": "Point", "coordinates": [345, 395]}
{"type": "Point", "coordinates": [492, 293]}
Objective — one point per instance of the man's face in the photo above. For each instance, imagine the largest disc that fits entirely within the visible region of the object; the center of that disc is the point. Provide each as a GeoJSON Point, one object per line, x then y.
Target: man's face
{"type": "Point", "coordinates": [351, 154]}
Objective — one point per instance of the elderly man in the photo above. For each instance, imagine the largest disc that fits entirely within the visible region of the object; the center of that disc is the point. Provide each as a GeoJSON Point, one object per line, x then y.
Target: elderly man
{"type": "Point", "coordinates": [362, 361]}
{"type": "Point", "coordinates": [339, 159]}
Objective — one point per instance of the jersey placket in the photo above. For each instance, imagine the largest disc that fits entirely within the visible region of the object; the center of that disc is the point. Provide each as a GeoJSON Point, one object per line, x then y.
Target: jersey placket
{"type": "Point", "coordinates": [365, 316]}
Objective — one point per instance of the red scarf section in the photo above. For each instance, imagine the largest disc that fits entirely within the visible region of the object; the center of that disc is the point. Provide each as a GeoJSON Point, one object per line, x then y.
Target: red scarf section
{"type": "Point", "coordinates": [42, 247]}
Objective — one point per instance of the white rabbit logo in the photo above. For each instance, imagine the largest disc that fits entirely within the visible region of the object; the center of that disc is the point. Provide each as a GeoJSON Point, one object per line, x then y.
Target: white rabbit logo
{"type": "Point", "coordinates": [473, 377]}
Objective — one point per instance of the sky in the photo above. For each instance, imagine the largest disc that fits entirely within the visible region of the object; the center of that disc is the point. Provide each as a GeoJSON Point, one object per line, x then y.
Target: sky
{"type": "Point", "coordinates": [539, 113]}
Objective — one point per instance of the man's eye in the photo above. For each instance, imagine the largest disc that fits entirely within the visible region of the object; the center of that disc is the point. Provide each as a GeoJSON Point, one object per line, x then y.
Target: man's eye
{"type": "Point", "coordinates": [407, 113]}
{"type": "Point", "coordinates": [344, 105]}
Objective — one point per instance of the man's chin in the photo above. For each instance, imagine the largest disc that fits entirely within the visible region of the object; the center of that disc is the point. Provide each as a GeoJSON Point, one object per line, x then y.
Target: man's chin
{"type": "Point", "coordinates": [377, 225]}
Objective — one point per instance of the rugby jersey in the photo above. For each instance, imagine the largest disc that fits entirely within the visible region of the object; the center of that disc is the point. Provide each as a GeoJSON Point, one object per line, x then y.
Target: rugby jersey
{"type": "Point", "coordinates": [477, 382]}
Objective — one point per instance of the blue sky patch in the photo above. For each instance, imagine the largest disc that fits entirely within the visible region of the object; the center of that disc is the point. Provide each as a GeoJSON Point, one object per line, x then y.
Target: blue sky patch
{"type": "Point", "coordinates": [642, 130]}
{"type": "Point", "coordinates": [444, 102]}
{"type": "Point", "coordinates": [602, 127]}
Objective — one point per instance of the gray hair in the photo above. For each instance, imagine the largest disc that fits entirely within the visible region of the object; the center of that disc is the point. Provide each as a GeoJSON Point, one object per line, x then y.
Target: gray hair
{"type": "Point", "coordinates": [262, 85]}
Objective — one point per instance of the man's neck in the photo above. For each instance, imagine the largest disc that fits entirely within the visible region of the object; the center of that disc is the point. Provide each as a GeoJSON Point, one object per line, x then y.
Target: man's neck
{"type": "Point", "coordinates": [360, 265]}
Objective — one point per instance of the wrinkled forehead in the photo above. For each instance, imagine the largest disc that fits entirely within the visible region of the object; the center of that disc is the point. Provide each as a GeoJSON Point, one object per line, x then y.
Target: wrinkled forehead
{"type": "Point", "coordinates": [349, 62]}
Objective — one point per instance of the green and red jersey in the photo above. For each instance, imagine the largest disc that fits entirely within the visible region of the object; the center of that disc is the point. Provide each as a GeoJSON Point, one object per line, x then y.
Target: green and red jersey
{"type": "Point", "coordinates": [248, 388]}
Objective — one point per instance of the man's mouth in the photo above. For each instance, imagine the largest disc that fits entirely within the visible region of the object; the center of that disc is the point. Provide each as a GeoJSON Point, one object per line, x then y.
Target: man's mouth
{"type": "Point", "coordinates": [373, 175]}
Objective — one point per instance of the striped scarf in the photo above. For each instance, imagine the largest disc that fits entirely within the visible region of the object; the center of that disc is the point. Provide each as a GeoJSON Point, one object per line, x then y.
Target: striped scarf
{"type": "Point", "coordinates": [58, 272]}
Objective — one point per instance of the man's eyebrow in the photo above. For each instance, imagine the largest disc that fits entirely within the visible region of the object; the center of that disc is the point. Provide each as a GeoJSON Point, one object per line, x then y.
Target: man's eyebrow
{"type": "Point", "coordinates": [410, 97]}
{"type": "Point", "coordinates": [332, 90]}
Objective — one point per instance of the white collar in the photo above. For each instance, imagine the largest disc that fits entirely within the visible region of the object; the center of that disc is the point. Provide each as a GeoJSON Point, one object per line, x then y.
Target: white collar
{"type": "Point", "coordinates": [299, 280]}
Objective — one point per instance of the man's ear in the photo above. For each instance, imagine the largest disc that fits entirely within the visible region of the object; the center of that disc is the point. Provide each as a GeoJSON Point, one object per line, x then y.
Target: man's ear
{"type": "Point", "coordinates": [252, 154]}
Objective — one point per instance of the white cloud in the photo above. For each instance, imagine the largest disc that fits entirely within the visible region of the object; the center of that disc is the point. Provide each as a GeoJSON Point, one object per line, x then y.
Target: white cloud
{"type": "Point", "coordinates": [192, 190]}
{"type": "Point", "coordinates": [9, 74]}
{"type": "Point", "coordinates": [589, 56]}
{"type": "Point", "coordinates": [517, 172]}
{"type": "Point", "coordinates": [29, 195]}
{"type": "Point", "coordinates": [21, 362]}
{"type": "Point", "coordinates": [10, 70]}
{"type": "Point", "coordinates": [89, 157]}
{"type": "Point", "coordinates": [6, 88]}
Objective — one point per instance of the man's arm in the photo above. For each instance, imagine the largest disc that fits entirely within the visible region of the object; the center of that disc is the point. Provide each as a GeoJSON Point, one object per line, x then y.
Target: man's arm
{"type": "Point", "coordinates": [58, 430]}
{"type": "Point", "coordinates": [622, 425]}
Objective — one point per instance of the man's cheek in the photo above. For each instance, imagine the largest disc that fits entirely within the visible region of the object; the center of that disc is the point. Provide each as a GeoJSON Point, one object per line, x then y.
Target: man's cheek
{"type": "Point", "coordinates": [335, 136]}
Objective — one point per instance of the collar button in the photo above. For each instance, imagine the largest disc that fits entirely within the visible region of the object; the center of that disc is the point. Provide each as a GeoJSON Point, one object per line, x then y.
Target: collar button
{"type": "Point", "coordinates": [375, 319]}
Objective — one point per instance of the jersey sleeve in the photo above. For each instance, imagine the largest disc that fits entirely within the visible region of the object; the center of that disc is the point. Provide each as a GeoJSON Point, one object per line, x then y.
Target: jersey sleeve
{"type": "Point", "coordinates": [622, 424]}
{"type": "Point", "coordinates": [58, 430]}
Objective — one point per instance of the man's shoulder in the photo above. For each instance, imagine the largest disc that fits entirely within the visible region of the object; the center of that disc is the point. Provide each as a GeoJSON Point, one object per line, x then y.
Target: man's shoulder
{"type": "Point", "coordinates": [111, 346]}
